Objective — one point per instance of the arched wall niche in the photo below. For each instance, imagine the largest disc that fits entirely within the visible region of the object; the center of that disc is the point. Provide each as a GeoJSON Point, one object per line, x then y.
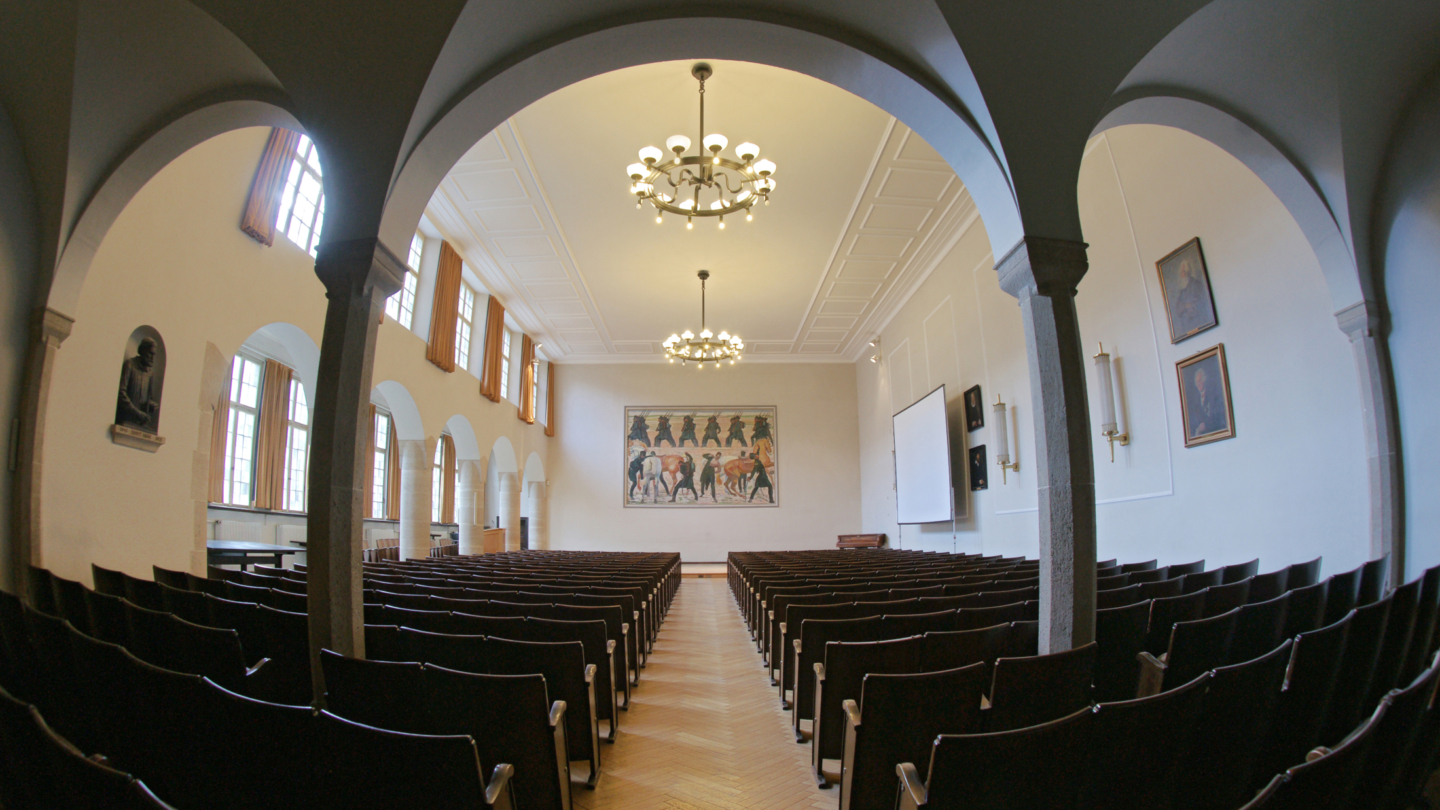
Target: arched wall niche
{"type": "Point", "coordinates": [291, 345]}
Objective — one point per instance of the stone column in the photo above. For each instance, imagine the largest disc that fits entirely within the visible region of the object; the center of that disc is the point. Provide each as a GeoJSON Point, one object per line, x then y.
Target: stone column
{"type": "Point", "coordinates": [470, 507]}
{"type": "Point", "coordinates": [1042, 274]}
{"type": "Point", "coordinates": [1367, 328]}
{"type": "Point", "coordinates": [510, 509]}
{"type": "Point", "coordinates": [358, 275]}
{"type": "Point", "coordinates": [539, 517]}
{"type": "Point", "coordinates": [48, 330]}
{"type": "Point", "coordinates": [414, 500]}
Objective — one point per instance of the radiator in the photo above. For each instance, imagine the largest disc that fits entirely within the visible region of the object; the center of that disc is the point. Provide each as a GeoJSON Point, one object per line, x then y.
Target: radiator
{"type": "Point", "coordinates": [236, 530]}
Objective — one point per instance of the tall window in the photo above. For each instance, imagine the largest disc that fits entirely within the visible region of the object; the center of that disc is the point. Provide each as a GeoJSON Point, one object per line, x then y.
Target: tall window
{"type": "Point", "coordinates": [534, 391]}
{"type": "Point", "coordinates": [297, 448]}
{"type": "Point", "coordinates": [245, 373]}
{"type": "Point", "coordinates": [464, 325]}
{"type": "Point", "coordinates": [437, 482]}
{"type": "Point", "coordinates": [401, 305]}
{"type": "Point", "coordinates": [378, 490]}
{"type": "Point", "coordinates": [504, 364]}
{"type": "Point", "coordinates": [302, 203]}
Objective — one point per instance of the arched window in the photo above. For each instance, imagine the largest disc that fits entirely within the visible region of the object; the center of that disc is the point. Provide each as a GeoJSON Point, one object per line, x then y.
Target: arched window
{"type": "Point", "coordinates": [401, 305]}
{"type": "Point", "coordinates": [379, 489]}
{"type": "Point", "coordinates": [302, 203]}
{"type": "Point", "coordinates": [241, 431]}
{"type": "Point", "coordinates": [464, 325]}
{"type": "Point", "coordinates": [297, 448]}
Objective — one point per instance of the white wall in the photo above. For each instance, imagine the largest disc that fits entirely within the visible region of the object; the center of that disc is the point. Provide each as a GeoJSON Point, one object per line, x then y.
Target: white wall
{"type": "Point", "coordinates": [816, 441]}
{"type": "Point", "coordinates": [1292, 483]}
{"type": "Point", "coordinates": [176, 260]}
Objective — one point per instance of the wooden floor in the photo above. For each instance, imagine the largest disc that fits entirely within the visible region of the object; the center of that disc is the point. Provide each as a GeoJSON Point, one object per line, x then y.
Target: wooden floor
{"type": "Point", "coordinates": [706, 729]}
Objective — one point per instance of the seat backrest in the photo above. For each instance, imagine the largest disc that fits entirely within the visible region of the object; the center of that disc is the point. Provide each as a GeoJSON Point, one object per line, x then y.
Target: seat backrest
{"type": "Point", "coordinates": [916, 592]}
{"type": "Point", "coordinates": [1119, 597]}
{"type": "Point", "coordinates": [1332, 779]}
{"type": "Point", "coordinates": [1166, 612]}
{"type": "Point", "coordinates": [1422, 638]}
{"type": "Point", "coordinates": [107, 617]}
{"type": "Point", "coordinates": [1309, 685]}
{"type": "Point", "coordinates": [281, 599]}
{"type": "Point", "coordinates": [1307, 609]}
{"type": "Point", "coordinates": [446, 770]}
{"type": "Point", "coordinates": [1162, 589]}
{"type": "Point", "coordinates": [287, 645]}
{"type": "Point", "coordinates": [245, 593]}
{"type": "Point", "coordinates": [901, 715]}
{"type": "Point", "coordinates": [175, 579]}
{"type": "Point", "coordinates": [1013, 770]}
{"type": "Point", "coordinates": [107, 581]}
{"type": "Point", "coordinates": [69, 600]}
{"type": "Point", "coordinates": [967, 588]}
{"type": "Point", "coordinates": [1303, 574]}
{"type": "Point", "coordinates": [1038, 689]}
{"type": "Point", "coordinates": [210, 651]}
{"type": "Point", "coordinates": [1139, 747]}
{"type": "Point", "coordinates": [384, 694]}
{"type": "Point", "coordinates": [1149, 575]}
{"type": "Point", "coordinates": [1357, 669]}
{"type": "Point", "coordinates": [1120, 636]}
{"type": "Point", "coordinates": [1264, 587]}
{"type": "Point", "coordinates": [1225, 598]}
{"type": "Point", "coordinates": [1399, 629]}
{"type": "Point", "coordinates": [1259, 628]}
{"type": "Point", "coordinates": [999, 598]}
{"type": "Point", "coordinates": [918, 624]}
{"type": "Point", "coordinates": [1024, 640]}
{"type": "Point", "coordinates": [1112, 582]}
{"type": "Point", "coordinates": [846, 665]}
{"type": "Point", "coordinates": [1238, 713]}
{"type": "Point", "coordinates": [814, 635]}
{"type": "Point", "coordinates": [214, 587]}
{"type": "Point", "coordinates": [1184, 569]}
{"type": "Point", "coordinates": [974, 618]}
{"type": "Point", "coordinates": [962, 648]}
{"type": "Point", "coordinates": [244, 618]}
{"type": "Point", "coordinates": [1148, 565]}
{"type": "Point", "coordinates": [1200, 580]}
{"type": "Point", "coordinates": [1395, 740]}
{"type": "Point", "coordinates": [144, 592]}
{"type": "Point", "coordinates": [1198, 646]}
{"type": "Point", "coordinates": [460, 653]}
{"type": "Point", "coordinates": [185, 603]}
{"type": "Point", "coordinates": [1239, 571]}
{"type": "Point", "coordinates": [1374, 576]}
{"type": "Point", "coordinates": [1341, 594]}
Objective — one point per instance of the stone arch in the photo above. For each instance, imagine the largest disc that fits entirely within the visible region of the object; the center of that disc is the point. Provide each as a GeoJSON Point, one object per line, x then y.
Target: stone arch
{"type": "Point", "coordinates": [534, 469]}
{"type": "Point", "coordinates": [397, 399]}
{"type": "Point", "coordinates": [884, 79]}
{"type": "Point", "coordinates": [467, 446]}
{"type": "Point", "coordinates": [292, 346]}
{"type": "Point", "coordinates": [1280, 172]}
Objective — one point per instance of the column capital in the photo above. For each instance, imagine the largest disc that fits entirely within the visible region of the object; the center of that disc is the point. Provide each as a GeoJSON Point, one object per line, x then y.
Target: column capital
{"type": "Point", "coordinates": [1361, 320]}
{"type": "Point", "coordinates": [1041, 266]}
{"type": "Point", "coordinates": [53, 327]}
{"type": "Point", "coordinates": [359, 267]}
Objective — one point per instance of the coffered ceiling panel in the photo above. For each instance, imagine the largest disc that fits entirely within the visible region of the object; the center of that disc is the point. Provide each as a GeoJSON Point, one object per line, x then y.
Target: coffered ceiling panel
{"type": "Point", "coordinates": [862, 211]}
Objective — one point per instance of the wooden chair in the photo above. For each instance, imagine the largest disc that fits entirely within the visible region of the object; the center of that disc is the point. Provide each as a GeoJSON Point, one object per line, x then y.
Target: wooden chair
{"type": "Point", "coordinates": [1149, 575]}
{"type": "Point", "coordinates": [896, 720]}
{"type": "Point", "coordinates": [1012, 770]}
{"type": "Point", "coordinates": [1264, 587]}
{"type": "Point", "coordinates": [1195, 647]}
{"type": "Point", "coordinates": [1342, 593]}
{"type": "Point", "coordinates": [916, 592]}
{"type": "Point", "coordinates": [1395, 646]}
{"type": "Point", "coordinates": [598, 651]}
{"type": "Point", "coordinates": [1112, 582]}
{"type": "Point", "coordinates": [975, 618]}
{"type": "Point", "coordinates": [68, 597]}
{"type": "Point", "coordinates": [246, 620]}
{"type": "Point", "coordinates": [1374, 577]}
{"type": "Point", "coordinates": [1259, 628]}
{"type": "Point", "coordinates": [1120, 636]}
{"type": "Point", "coordinates": [1166, 612]}
{"type": "Point", "coordinates": [287, 644]}
{"type": "Point", "coordinates": [1225, 598]}
{"type": "Point", "coordinates": [1184, 569]}
{"type": "Point", "coordinates": [1394, 744]}
{"type": "Point", "coordinates": [1304, 574]}
{"type": "Point", "coordinates": [383, 694]}
{"type": "Point", "coordinates": [567, 678]}
{"type": "Point", "coordinates": [1024, 640]}
{"type": "Point", "coordinates": [1422, 638]}
{"type": "Point", "coordinates": [1309, 686]}
{"type": "Point", "coordinates": [1038, 689]}
{"type": "Point", "coordinates": [1237, 715]}
{"type": "Point", "coordinates": [286, 601]}
{"type": "Point", "coordinates": [107, 581]}
{"type": "Point", "coordinates": [1110, 563]}
{"type": "Point", "coordinates": [967, 588]}
{"type": "Point", "coordinates": [918, 624]}
{"type": "Point", "coordinates": [175, 579]}
{"type": "Point", "coordinates": [839, 678]}
{"type": "Point", "coordinates": [1162, 589]}
{"type": "Point", "coordinates": [1139, 748]}
{"type": "Point", "coordinates": [1239, 571]}
{"type": "Point", "coordinates": [143, 593]}
{"type": "Point", "coordinates": [185, 603]}
{"type": "Point", "coordinates": [961, 648]}
{"type": "Point", "coordinates": [1330, 778]}
{"type": "Point", "coordinates": [1119, 597]}
{"type": "Point", "coordinates": [1200, 580]}
{"type": "Point", "coordinates": [810, 650]}
{"type": "Point", "coordinates": [167, 641]}
{"type": "Point", "coordinates": [1307, 609]}
{"type": "Point", "coordinates": [998, 598]}
{"type": "Point", "coordinates": [1357, 670]}
{"type": "Point", "coordinates": [1148, 565]}
{"type": "Point", "coordinates": [795, 616]}
{"type": "Point", "coordinates": [214, 587]}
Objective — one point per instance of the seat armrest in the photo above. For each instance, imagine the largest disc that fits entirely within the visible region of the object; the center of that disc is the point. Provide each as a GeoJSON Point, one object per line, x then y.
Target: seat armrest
{"type": "Point", "coordinates": [1152, 675]}
{"type": "Point", "coordinates": [912, 790]}
{"type": "Point", "coordinates": [770, 614]}
{"type": "Point", "coordinates": [610, 646]}
{"type": "Point", "coordinates": [852, 713]}
{"type": "Point", "coordinates": [557, 713]}
{"type": "Point", "coordinates": [819, 671]}
{"type": "Point", "coordinates": [251, 672]}
{"type": "Point", "coordinates": [499, 782]}
{"type": "Point", "coordinates": [625, 628]}
{"type": "Point", "coordinates": [796, 642]}
{"type": "Point", "coordinates": [589, 673]}
{"type": "Point", "coordinates": [782, 628]}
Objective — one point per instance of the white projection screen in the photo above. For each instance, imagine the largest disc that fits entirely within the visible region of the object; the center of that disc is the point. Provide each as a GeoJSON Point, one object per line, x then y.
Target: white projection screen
{"type": "Point", "coordinates": [922, 461]}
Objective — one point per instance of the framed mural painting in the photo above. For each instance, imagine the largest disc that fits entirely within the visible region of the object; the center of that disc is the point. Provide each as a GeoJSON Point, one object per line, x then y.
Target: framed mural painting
{"type": "Point", "coordinates": [1207, 414]}
{"type": "Point", "coordinates": [1185, 283]}
{"type": "Point", "coordinates": [685, 457]}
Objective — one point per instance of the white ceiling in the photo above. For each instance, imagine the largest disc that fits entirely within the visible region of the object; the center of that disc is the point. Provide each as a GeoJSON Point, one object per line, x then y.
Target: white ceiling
{"type": "Point", "coordinates": [862, 211]}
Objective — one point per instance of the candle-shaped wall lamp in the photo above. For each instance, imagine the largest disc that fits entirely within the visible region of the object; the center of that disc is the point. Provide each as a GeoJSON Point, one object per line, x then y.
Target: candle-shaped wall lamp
{"type": "Point", "coordinates": [1002, 440]}
{"type": "Point", "coordinates": [1109, 428]}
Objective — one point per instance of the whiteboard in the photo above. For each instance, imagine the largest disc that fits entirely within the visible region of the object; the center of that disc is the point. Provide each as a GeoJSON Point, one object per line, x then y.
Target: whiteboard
{"type": "Point", "coordinates": [922, 462]}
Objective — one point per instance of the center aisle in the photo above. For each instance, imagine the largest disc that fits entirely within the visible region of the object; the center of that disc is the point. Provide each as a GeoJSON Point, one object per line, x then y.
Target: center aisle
{"type": "Point", "coordinates": [706, 730]}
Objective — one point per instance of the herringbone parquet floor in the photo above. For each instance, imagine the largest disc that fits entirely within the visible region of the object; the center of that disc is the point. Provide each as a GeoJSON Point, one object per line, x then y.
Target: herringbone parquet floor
{"type": "Point", "coordinates": [706, 729]}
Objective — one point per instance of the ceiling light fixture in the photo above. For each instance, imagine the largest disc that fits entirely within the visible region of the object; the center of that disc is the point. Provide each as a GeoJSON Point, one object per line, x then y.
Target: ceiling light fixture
{"type": "Point", "coordinates": [738, 184]}
{"type": "Point", "coordinates": [706, 347]}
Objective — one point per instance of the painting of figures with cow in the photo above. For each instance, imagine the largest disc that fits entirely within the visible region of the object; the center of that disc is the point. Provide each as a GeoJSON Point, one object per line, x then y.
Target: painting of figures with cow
{"type": "Point", "coordinates": [688, 457]}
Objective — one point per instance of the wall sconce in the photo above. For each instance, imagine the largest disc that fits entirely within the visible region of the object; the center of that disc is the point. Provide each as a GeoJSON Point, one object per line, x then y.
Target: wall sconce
{"type": "Point", "coordinates": [875, 344]}
{"type": "Point", "coordinates": [1108, 426]}
{"type": "Point", "coordinates": [1002, 440]}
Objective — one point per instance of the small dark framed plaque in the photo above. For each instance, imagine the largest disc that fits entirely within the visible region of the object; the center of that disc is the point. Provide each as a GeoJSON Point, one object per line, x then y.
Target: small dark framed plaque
{"type": "Point", "coordinates": [979, 474]}
{"type": "Point", "coordinates": [974, 410]}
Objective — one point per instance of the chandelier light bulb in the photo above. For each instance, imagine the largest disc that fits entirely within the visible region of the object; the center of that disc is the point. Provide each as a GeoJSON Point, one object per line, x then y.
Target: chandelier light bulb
{"type": "Point", "coordinates": [725, 336]}
{"type": "Point", "coordinates": [673, 339]}
{"type": "Point", "coordinates": [764, 168]}
{"type": "Point", "coordinates": [706, 334]}
{"type": "Point", "coordinates": [718, 204]}
{"type": "Point", "coordinates": [687, 335]}
{"type": "Point", "coordinates": [658, 217]}
{"type": "Point", "coordinates": [637, 170]}
{"type": "Point", "coordinates": [690, 224]}
{"type": "Point", "coordinates": [687, 204]}
{"type": "Point", "coordinates": [747, 151]}
{"type": "Point", "coordinates": [749, 217]}
{"type": "Point", "coordinates": [766, 186]}
{"type": "Point", "coordinates": [722, 223]}
{"type": "Point", "coordinates": [677, 143]}
{"type": "Point", "coordinates": [650, 154]}
{"type": "Point", "coordinates": [715, 142]}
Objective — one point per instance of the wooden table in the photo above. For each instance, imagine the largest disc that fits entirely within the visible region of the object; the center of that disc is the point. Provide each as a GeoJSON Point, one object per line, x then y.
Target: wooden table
{"type": "Point", "coordinates": [232, 552]}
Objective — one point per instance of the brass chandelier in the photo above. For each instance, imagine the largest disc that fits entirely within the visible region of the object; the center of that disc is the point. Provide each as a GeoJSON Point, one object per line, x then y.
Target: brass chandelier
{"type": "Point", "coordinates": [707, 347]}
{"type": "Point", "coordinates": [738, 184]}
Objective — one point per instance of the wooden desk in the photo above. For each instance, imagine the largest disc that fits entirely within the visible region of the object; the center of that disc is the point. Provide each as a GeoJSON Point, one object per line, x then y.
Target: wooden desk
{"type": "Point", "coordinates": [494, 541]}
{"type": "Point", "coordinates": [231, 552]}
{"type": "Point", "coordinates": [861, 541]}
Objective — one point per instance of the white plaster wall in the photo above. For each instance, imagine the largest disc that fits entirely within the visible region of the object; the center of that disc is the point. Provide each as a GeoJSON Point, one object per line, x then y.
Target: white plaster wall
{"type": "Point", "coordinates": [176, 260]}
{"type": "Point", "coordinates": [817, 439]}
{"type": "Point", "coordinates": [1292, 483]}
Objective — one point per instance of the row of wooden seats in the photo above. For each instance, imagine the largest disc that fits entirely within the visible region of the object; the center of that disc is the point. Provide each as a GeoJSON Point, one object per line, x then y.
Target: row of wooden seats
{"type": "Point", "coordinates": [748, 572]}
{"type": "Point", "coordinates": [197, 744]}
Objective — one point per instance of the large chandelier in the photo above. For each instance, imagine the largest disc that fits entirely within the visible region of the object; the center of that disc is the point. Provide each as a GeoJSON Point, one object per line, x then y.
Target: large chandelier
{"type": "Point", "coordinates": [707, 347]}
{"type": "Point", "coordinates": [737, 184]}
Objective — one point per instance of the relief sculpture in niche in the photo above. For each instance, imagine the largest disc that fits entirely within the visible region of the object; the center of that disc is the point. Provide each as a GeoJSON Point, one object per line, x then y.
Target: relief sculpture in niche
{"type": "Point", "coordinates": [142, 382]}
{"type": "Point", "coordinates": [685, 457]}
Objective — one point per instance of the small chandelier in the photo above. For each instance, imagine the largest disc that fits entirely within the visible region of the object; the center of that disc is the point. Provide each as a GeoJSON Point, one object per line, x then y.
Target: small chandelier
{"type": "Point", "coordinates": [707, 347]}
{"type": "Point", "coordinates": [737, 184]}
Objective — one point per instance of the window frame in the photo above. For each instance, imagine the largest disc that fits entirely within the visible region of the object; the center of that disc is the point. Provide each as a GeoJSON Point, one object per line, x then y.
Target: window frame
{"type": "Point", "coordinates": [239, 412]}
{"type": "Point", "coordinates": [464, 324]}
{"type": "Point", "coordinates": [304, 164]}
{"type": "Point", "coordinates": [296, 485]}
{"type": "Point", "coordinates": [505, 362]}
{"type": "Point", "coordinates": [380, 463]}
{"type": "Point", "coordinates": [437, 482]}
{"type": "Point", "coordinates": [400, 307]}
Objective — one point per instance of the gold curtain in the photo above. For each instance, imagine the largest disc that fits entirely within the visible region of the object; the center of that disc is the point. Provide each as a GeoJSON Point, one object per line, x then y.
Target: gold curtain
{"type": "Point", "coordinates": [218, 427]}
{"type": "Point", "coordinates": [392, 476]}
{"type": "Point", "coordinates": [494, 332]}
{"type": "Point", "coordinates": [527, 380]}
{"type": "Point", "coordinates": [270, 438]}
{"type": "Point", "coordinates": [441, 350]}
{"type": "Point", "coordinates": [447, 480]}
{"type": "Point", "coordinates": [369, 495]}
{"type": "Point", "coordinates": [549, 399]}
{"type": "Point", "coordinates": [263, 203]}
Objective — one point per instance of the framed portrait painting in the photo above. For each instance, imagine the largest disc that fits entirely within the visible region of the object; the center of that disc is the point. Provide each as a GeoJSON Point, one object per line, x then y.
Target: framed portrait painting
{"type": "Point", "coordinates": [1185, 283]}
{"type": "Point", "coordinates": [687, 457]}
{"type": "Point", "coordinates": [978, 473]}
{"type": "Point", "coordinates": [1207, 414]}
{"type": "Point", "coordinates": [974, 412]}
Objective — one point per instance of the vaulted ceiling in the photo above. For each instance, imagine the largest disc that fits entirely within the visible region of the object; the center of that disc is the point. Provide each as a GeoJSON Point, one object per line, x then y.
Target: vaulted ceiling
{"type": "Point", "coordinates": [862, 211]}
